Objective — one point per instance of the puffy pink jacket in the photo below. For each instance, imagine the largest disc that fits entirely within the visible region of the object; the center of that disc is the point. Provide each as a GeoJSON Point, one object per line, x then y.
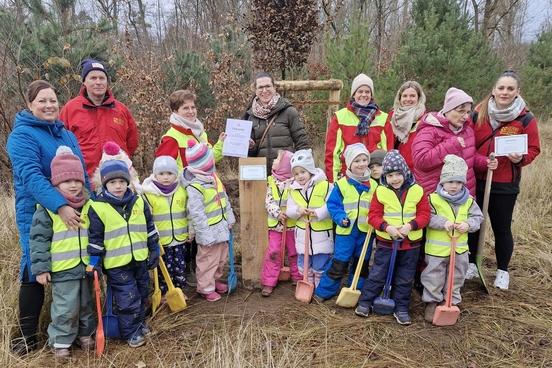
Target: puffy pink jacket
{"type": "Point", "coordinates": [434, 140]}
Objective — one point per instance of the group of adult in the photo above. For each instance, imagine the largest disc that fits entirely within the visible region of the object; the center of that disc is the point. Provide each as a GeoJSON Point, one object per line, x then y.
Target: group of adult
{"type": "Point", "coordinates": [94, 117]}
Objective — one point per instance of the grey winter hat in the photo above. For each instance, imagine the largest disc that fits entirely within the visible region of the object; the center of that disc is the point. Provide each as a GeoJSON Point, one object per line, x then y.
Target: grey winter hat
{"type": "Point", "coordinates": [303, 158]}
{"type": "Point", "coordinates": [165, 164]}
{"type": "Point", "coordinates": [454, 169]}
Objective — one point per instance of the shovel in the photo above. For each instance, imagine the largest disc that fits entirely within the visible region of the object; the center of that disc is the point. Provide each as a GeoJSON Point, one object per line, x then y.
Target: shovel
{"type": "Point", "coordinates": [175, 297]}
{"type": "Point", "coordinates": [100, 338]}
{"type": "Point", "coordinates": [348, 296]}
{"type": "Point", "coordinates": [232, 276]}
{"type": "Point", "coordinates": [483, 228]}
{"type": "Point", "coordinates": [384, 304]}
{"type": "Point", "coordinates": [447, 315]}
{"type": "Point", "coordinates": [285, 274]}
{"type": "Point", "coordinates": [156, 296]}
{"type": "Point", "coordinates": [110, 321]}
{"type": "Point", "coordinates": [305, 289]}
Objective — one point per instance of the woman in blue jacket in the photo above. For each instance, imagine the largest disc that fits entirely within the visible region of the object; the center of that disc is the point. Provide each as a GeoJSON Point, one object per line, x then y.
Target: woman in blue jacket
{"type": "Point", "coordinates": [31, 147]}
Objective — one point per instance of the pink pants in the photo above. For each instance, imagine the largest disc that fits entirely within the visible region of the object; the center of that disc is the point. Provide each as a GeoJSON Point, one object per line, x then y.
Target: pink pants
{"type": "Point", "coordinates": [210, 262]}
{"type": "Point", "coordinates": [272, 259]}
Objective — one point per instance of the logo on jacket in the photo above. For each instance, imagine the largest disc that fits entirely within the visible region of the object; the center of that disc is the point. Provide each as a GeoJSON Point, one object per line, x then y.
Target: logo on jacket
{"type": "Point", "coordinates": [509, 130]}
{"type": "Point", "coordinates": [118, 121]}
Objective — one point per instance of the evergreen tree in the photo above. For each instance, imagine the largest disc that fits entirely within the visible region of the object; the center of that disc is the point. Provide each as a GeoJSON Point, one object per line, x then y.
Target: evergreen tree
{"type": "Point", "coordinates": [537, 74]}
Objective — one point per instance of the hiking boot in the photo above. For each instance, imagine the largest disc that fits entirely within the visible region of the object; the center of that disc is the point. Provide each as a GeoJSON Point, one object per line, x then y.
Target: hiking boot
{"type": "Point", "coordinates": [402, 317]}
{"type": "Point", "coordinates": [502, 280]}
{"type": "Point", "coordinates": [136, 341]}
{"type": "Point", "coordinates": [213, 296]}
{"type": "Point", "coordinates": [267, 290]}
{"type": "Point", "coordinates": [221, 287]}
{"type": "Point", "coordinates": [319, 299]}
{"type": "Point", "coordinates": [86, 342]}
{"type": "Point", "coordinates": [472, 272]}
{"type": "Point", "coordinates": [362, 311]}
{"type": "Point", "coordinates": [429, 311]}
{"type": "Point", "coordinates": [21, 346]}
{"type": "Point", "coordinates": [145, 330]}
{"type": "Point", "coordinates": [62, 353]}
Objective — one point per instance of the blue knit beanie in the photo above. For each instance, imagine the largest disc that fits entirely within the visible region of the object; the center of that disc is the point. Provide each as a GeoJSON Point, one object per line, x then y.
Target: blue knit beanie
{"type": "Point", "coordinates": [87, 65]}
{"type": "Point", "coordinates": [114, 169]}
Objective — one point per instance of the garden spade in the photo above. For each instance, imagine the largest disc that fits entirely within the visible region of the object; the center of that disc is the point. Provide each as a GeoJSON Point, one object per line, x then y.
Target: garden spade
{"type": "Point", "coordinates": [483, 228]}
{"type": "Point", "coordinates": [348, 296]}
{"type": "Point", "coordinates": [110, 321]}
{"type": "Point", "coordinates": [384, 304]}
{"type": "Point", "coordinates": [285, 274]}
{"type": "Point", "coordinates": [100, 338]}
{"type": "Point", "coordinates": [447, 315]}
{"type": "Point", "coordinates": [175, 297]}
{"type": "Point", "coordinates": [232, 276]}
{"type": "Point", "coordinates": [305, 289]}
{"type": "Point", "coordinates": [156, 297]}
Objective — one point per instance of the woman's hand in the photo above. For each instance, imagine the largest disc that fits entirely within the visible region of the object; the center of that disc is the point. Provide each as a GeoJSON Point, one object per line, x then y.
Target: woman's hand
{"type": "Point", "coordinates": [251, 143]}
{"type": "Point", "coordinates": [44, 278]}
{"type": "Point", "coordinates": [222, 136]}
{"type": "Point", "coordinates": [515, 157]}
{"type": "Point", "coordinates": [492, 162]}
{"type": "Point", "coordinates": [70, 217]}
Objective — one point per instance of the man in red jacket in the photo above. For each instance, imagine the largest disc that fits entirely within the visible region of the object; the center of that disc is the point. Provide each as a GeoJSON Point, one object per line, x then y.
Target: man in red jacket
{"type": "Point", "coordinates": [95, 116]}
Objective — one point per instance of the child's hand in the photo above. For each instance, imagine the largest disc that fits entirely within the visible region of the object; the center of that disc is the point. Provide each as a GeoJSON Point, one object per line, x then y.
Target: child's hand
{"type": "Point", "coordinates": [282, 217]}
{"type": "Point", "coordinates": [393, 232]}
{"type": "Point", "coordinates": [222, 136]}
{"type": "Point", "coordinates": [449, 226]}
{"type": "Point", "coordinates": [311, 213]}
{"type": "Point", "coordinates": [405, 229]}
{"type": "Point", "coordinates": [462, 227]}
{"type": "Point", "coordinates": [302, 212]}
{"type": "Point", "coordinates": [44, 278]}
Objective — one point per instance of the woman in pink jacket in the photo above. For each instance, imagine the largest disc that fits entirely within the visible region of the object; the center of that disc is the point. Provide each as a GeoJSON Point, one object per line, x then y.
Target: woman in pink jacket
{"type": "Point", "coordinates": [442, 133]}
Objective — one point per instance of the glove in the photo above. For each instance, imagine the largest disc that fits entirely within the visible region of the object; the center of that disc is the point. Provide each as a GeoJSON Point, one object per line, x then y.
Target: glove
{"type": "Point", "coordinates": [153, 259]}
{"type": "Point", "coordinates": [94, 265]}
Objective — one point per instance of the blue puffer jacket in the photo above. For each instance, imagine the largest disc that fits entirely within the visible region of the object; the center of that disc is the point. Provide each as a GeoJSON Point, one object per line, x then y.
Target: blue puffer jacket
{"type": "Point", "coordinates": [31, 147]}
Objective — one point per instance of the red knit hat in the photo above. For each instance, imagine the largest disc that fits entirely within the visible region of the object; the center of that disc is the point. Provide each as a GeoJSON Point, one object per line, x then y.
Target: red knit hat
{"type": "Point", "coordinates": [66, 166]}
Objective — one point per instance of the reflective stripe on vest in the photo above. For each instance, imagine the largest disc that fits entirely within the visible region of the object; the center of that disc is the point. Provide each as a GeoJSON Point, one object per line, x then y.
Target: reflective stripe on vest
{"type": "Point", "coordinates": [123, 240]}
{"type": "Point", "coordinates": [182, 141]}
{"type": "Point", "coordinates": [281, 198]}
{"type": "Point", "coordinates": [316, 200]}
{"type": "Point", "coordinates": [170, 216]}
{"type": "Point", "coordinates": [396, 214]}
{"type": "Point", "coordinates": [356, 205]}
{"type": "Point", "coordinates": [214, 201]}
{"type": "Point", "coordinates": [438, 241]}
{"type": "Point", "coordinates": [68, 247]}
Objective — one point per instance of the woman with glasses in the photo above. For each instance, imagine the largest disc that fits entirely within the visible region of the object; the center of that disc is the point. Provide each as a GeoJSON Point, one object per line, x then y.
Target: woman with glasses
{"type": "Point", "coordinates": [276, 123]}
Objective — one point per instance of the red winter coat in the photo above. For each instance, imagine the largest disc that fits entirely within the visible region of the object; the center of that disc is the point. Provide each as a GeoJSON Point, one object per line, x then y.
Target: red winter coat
{"type": "Point", "coordinates": [434, 140]}
{"type": "Point", "coordinates": [507, 175]}
{"type": "Point", "coordinates": [94, 125]}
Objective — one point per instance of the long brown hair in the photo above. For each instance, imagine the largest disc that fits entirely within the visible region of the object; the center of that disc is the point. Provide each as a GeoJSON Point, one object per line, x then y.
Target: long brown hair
{"type": "Point", "coordinates": [35, 87]}
{"type": "Point", "coordinates": [484, 104]}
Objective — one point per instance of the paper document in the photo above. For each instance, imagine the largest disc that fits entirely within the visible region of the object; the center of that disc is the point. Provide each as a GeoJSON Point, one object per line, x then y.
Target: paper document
{"type": "Point", "coordinates": [507, 144]}
{"type": "Point", "coordinates": [236, 143]}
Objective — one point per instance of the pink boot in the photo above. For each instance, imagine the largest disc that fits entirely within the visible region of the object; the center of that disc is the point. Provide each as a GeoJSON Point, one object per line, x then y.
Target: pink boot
{"type": "Point", "coordinates": [221, 287]}
{"type": "Point", "coordinates": [213, 296]}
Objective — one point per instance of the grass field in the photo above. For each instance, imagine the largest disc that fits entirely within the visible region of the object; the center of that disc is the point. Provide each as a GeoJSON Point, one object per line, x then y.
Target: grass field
{"type": "Point", "coordinates": [503, 329]}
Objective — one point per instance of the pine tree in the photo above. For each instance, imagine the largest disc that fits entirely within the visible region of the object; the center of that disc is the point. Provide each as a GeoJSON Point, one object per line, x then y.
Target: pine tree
{"type": "Point", "coordinates": [537, 74]}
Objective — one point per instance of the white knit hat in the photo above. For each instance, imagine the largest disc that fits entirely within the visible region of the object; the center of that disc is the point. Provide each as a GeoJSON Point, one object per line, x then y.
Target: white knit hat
{"type": "Point", "coordinates": [353, 151]}
{"type": "Point", "coordinates": [454, 169]}
{"type": "Point", "coordinates": [165, 164]}
{"type": "Point", "coordinates": [303, 158]}
{"type": "Point", "coordinates": [362, 80]}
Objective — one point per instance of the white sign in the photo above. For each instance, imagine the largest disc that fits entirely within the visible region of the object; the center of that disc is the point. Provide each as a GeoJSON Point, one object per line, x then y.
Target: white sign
{"type": "Point", "coordinates": [507, 144]}
{"type": "Point", "coordinates": [236, 143]}
{"type": "Point", "coordinates": [253, 172]}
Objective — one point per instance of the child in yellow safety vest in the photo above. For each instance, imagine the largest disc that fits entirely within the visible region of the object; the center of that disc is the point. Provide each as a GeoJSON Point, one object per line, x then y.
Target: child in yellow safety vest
{"type": "Point", "coordinates": [306, 202]}
{"type": "Point", "coordinates": [124, 243]}
{"type": "Point", "coordinates": [168, 200]}
{"type": "Point", "coordinates": [277, 193]}
{"type": "Point", "coordinates": [58, 255]}
{"type": "Point", "coordinates": [453, 212]}
{"type": "Point", "coordinates": [375, 165]}
{"type": "Point", "coordinates": [211, 215]}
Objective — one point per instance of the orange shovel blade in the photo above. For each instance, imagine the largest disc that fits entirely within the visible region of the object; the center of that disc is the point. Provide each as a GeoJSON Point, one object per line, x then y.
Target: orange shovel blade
{"type": "Point", "coordinates": [446, 316]}
{"type": "Point", "coordinates": [304, 291]}
{"type": "Point", "coordinates": [285, 274]}
{"type": "Point", "coordinates": [100, 338]}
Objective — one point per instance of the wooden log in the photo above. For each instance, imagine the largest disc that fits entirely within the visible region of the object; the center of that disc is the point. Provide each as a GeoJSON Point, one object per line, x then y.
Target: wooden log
{"type": "Point", "coordinates": [333, 105]}
{"type": "Point", "coordinates": [309, 85]}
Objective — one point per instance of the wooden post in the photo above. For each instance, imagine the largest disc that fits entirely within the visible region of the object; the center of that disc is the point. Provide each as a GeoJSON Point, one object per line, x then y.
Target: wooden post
{"type": "Point", "coordinates": [253, 218]}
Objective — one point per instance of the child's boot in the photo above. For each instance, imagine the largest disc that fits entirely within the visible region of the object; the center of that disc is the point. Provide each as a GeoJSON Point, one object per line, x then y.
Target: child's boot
{"type": "Point", "coordinates": [402, 317]}
{"type": "Point", "coordinates": [472, 272]}
{"type": "Point", "coordinates": [213, 296]}
{"type": "Point", "coordinates": [136, 341]}
{"type": "Point", "coordinates": [362, 310]}
{"type": "Point", "coordinates": [267, 290]}
{"type": "Point", "coordinates": [86, 342]}
{"type": "Point", "coordinates": [221, 287]}
{"type": "Point", "coordinates": [62, 353]}
{"type": "Point", "coordinates": [429, 311]}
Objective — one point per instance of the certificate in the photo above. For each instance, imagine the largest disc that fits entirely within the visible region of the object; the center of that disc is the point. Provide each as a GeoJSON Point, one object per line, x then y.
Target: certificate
{"type": "Point", "coordinates": [252, 172]}
{"type": "Point", "coordinates": [236, 143]}
{"type": "Point", "coordinates": [504, 145]}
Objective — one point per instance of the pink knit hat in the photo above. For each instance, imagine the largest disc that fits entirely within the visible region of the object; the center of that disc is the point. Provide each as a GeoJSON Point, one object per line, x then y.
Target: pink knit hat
{"type": "Point", "coordinates": [283, 171]}
{"type": "Point", "coordinates": [200, 157]}
{"type": "Point", "coordinates": [454, 98]}
{"type": "Point", "coordinates": [66, 166]}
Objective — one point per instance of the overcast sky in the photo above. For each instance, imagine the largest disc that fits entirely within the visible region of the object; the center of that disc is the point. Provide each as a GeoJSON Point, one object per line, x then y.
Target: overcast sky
{"type": "Point", "coordinates": [538, 13]}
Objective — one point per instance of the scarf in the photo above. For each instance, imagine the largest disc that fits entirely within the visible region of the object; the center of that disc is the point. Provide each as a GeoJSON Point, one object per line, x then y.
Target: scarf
{"type": "Point", "coordinates": [75, 201]}
{"type": "Point", "coordinates": [366, 115]}
{"type": "Point", "coordinates": [166, 189]}
{"type": "Point", "coordinates": [261, 111]}
{"type": "Point", "coordinates": [196, 126]}
{"type": "Point", "coordinates": [456, 200]}
{"type": "Point", "coordinates": [361, 179]}
{"type": "Point", "coordinates": [498, 116]}
{"type": "Point", "coordinates": [404, 118]}
{"type": "Point", "coordinates": [203, 176]}
{"type": "Point", "coordinates": [114, 200]}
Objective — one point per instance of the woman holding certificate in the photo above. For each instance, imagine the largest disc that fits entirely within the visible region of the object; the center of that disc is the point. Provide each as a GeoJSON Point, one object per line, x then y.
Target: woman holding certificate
{"type": "Point", "coordinates": [503, 117]}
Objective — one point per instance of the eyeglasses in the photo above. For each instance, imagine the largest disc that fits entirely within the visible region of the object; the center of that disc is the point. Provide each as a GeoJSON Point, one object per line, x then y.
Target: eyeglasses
{"type": "Point", "coordinates": [463, 111]}
{"type": "Point", "coordinates": [260, 88]}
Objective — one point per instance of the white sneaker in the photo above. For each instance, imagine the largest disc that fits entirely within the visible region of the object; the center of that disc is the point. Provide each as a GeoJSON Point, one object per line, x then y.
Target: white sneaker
{"type": "Point", "coordinates": [472, 272]}
{"type": "Point", "coordinates": [502, 280]}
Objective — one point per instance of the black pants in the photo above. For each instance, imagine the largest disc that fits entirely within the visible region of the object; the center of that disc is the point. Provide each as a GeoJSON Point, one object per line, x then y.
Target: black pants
{"type": "Point", "coordinates": [31, 298]}
{"type": "Point", "coordinates": [501, 208]}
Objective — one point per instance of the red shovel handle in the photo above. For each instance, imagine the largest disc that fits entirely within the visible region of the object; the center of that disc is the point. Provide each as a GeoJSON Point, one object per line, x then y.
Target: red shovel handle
{"type": "Point", "coordinates": [100, 337]}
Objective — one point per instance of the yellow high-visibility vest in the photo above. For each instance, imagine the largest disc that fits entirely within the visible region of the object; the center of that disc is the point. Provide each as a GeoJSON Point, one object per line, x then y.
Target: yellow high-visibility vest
{"type": "Point", "coordinates": [170, 215]}
{"type": "Point", "coordinates": [356, 205]}
{"type": "Point", "coordinates": [316, 200]}
{"type": "Point", "coordinates": [182, 141]}
{"type": "Point", "coordinates": [281, 198]}
{"type": "Point", "coordinates": [214, 201]}
{"type": "Point", "coordinates": [438, 241]}
{"type": "Point", "coordinates": [396, 214]}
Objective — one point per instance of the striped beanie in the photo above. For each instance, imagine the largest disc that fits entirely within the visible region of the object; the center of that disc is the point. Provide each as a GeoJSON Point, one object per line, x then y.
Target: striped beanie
{"type": "Point", "coordinates": [200, 157]}
{"type": "Point", "coordinates": [114, 169]}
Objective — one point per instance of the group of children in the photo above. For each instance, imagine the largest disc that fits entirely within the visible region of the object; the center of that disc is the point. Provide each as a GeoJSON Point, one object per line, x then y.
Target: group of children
{"type": "Point", "coordinates": [378, 197]}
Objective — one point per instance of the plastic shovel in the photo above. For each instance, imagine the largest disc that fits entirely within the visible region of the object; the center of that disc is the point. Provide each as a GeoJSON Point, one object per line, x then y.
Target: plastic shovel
{"type": "Point", "coordinates": [285, 273]}
{"type": "Point", "coordinates": [100, 338]}
{"type": "Point", "coordinates": [348, 296]}
{"type": "Point", "coordinates": [305, 289]}
{"type": "Point", "coordinates": [175, 297]}
{"type": "Point", "coordinates": [156, 296]}
{"type": "Point", "coordinates": [384, 304]}
{"type": "Point", "coordinates": [483, 228]}
{"type": "Point", "coordinates": [232, 276]}
{"type": "Point", "coordinates": [447, 315]}
{"type": "Point", "coordinates": [110, 321]}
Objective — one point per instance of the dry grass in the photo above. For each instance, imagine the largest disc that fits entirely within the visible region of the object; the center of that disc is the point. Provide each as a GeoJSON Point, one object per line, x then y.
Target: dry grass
{"type": "Point", "coordinates": [504, 329]}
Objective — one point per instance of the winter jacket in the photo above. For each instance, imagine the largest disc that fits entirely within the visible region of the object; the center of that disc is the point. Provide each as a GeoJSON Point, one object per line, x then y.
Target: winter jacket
{"type": "Point", "coordinates": [507, 175]}
{"type": "Point", "coordinates": [340, 134]}
{"type": "Point", "coordinates": [206, 234]}
{"type": "Point", "coordinates": [335, 201]}
{"type": "Point", "coordinates": [434, 140]}
{"type": "Point", "coordinates": [320, 241]}
{"type": "Point", "coordinates": [94, 125]}
{"type": "Point", "coordinates": [287, 132]}
{"type": "Point", "coordinates": [474, 220]}
{"type": "Point", "coordinates": [31, 147]}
